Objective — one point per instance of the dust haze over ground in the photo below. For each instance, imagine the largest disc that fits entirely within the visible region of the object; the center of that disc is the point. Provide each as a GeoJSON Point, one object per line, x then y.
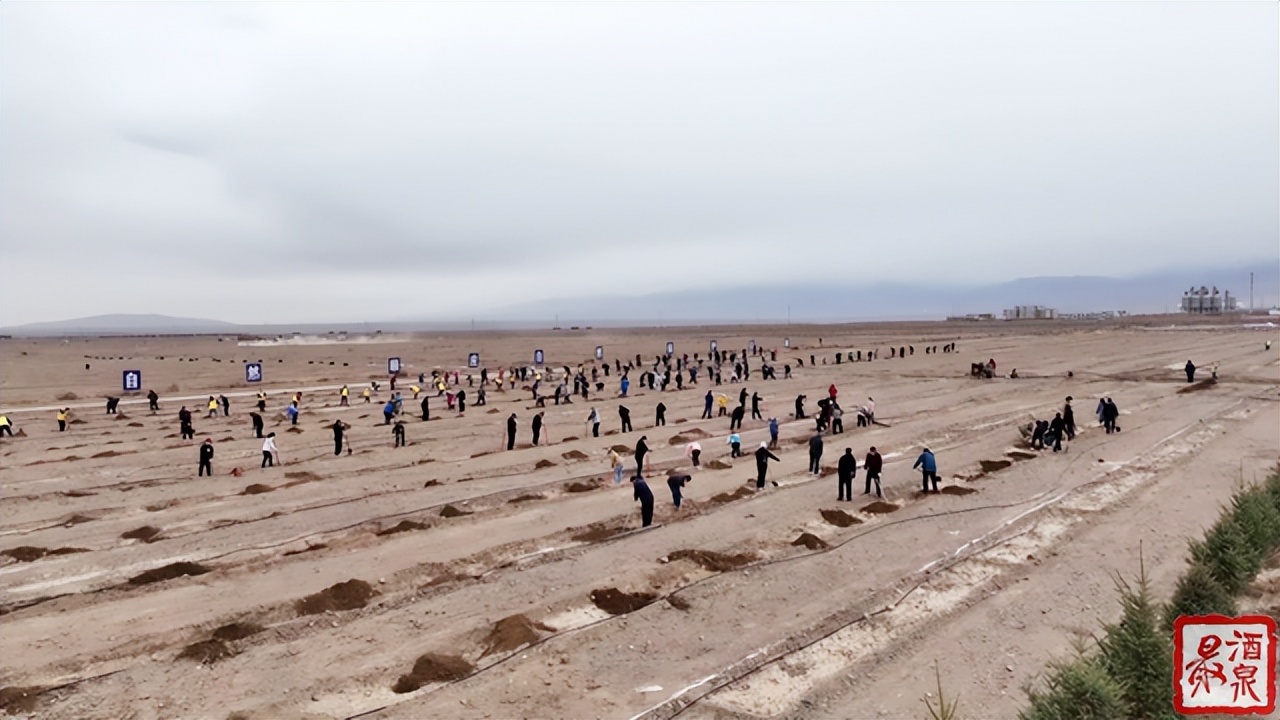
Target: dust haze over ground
{"type": "Point", "coordinates": [133, 588]}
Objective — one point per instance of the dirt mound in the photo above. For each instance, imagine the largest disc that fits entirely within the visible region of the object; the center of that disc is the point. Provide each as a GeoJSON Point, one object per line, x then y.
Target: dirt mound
{"type": "Point", "coordinates": [717, 465]}
{"type": "Point", "coordinates": [622, 449]}
{"type": "Point", "coordinates": [105, 454]}
{"type": "Point", "coordinates": [1021, 455]}
{"type": "Point", "coordinates": [839, 518]}
{"type": "Point", "coordinates": [695, 433]}
{"type": "Point", "coordinates": [25, 553]}
{"type": "Point", "coordinates": [957, 490]}
{"type": "Point", "coordinates": [678, 440]}
{"type": "Point", "coordinates": [1197, 387]}
{"type": "Point", "coordinates": [146, 533]}
{"type": "Point", "coordinates": [206, 652]}
{"type": "Point", "coordinates": [574, 455]}
{"type": "Point", "coordinates": [577, 487]}
{"type": "Point", "coordinates": [349, 595]}
{"type": "Point", "coordinates": [810, 541]}
{"type": "Point", "coordinates": [168, 572]}
{"type": "Point", "coordinates": [68, 396]}
{"type": "Point", "coordinates": [78, 493]}
{"type": "Point", "coordinates": [879, 507]}
{"type": "Point", "coordinates": [678, 602]}
{"type": "Point", "coordinates": [989, 466]}
{"type": "Point", "coordinates": [237, 631]}
{"type": "Point", "coordinates": [135, 424]}
{"type": "Point", "coordinates": [402, 526]}
{"type": "Point", "coordinates": [524, 499]}
{"type": "Point", "coordinates": [68, 550]}
{"type": "Point", "coordinates": [450, 511]}
{"type": "Point", "coordinates": [301, 476]}
{"type": "Point", "coordinates": [510, 633]}
{"type": "Point", "coordinates": [433, 668]}
{"type": "Point", "coordinates": [256, 489]}
{"type": "Point", "coordinates": [616, 602]}
{"type": "Point", "coordinates": [597, 533]}
{"type": "Point", "coordinates": [78, 421]}
{"type": "Point", "coordinates": [14, 700]}
{"type": "Point", "coordinates": [481, 454]}
{"type": "Point", "coordinates": [494, 411]}
{"type": "Point", "coordinates": [431, 483]}
{"type": "Point", "coordinates": [713, 561]}
{"type": "Point", "coordinates": [294, 429]}
{"type": "Point", "coordinates": [569, 438]}
{"type": "Point", "coordinates": [725, 497]}
{"type": "Point", "coordinates": [543, 463]}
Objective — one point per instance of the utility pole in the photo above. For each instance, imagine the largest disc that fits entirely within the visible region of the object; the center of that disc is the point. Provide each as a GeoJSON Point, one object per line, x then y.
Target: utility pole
{"type": "Point", "coordinates": [1251, 293]}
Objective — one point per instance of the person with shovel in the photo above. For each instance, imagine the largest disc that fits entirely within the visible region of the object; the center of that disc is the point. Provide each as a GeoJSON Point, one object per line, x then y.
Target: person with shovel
{"type": "Point", "coordinates": [872, 467]}
{"type": "Point", "coordinates": [763, 456]}
{"type": "Point", "coordinates": [677, 483]}
{"type": "Point", "coordinates": [339, 428]}
{"type": "Point", "coordinates": [270, 452]}
{"type": "Point", "coordinates": [645, 496]}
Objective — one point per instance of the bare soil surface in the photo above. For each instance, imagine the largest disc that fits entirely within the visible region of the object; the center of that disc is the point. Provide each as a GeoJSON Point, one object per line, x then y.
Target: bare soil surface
{"type": "Point", "coordinates": [454, 578]}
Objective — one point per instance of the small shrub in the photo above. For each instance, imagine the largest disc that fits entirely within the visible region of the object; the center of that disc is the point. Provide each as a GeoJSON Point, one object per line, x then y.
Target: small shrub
{"type": "Point", "coordinates": [1198, 593]}
{"type": "Point", "coordinates": [1077, 689]}
{"type": "Point", "coordinates": [1227, 554]}
{"type": "Point", "coordinates": [1258, 518]}
{"type": "Point", "coordinates": [1137, 654]}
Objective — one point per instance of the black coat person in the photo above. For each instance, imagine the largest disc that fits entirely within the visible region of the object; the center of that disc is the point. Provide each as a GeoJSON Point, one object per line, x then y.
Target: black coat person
{"type": "Point", "coordinates": [1069, 420]}
{"type": "Point", "coordinates": [461, 397]}
{"type": "Point", "coordinates": [256, 419]}
{"type": "Point", "coordinates": [624, 415]}
{"type": "Point", "coordinates": [815, 453]}
{"type": "Point", "coordinates": [755, 407]}
{"type": "Point", "coordinates": [800, 407]}
{"type": "Point", "coordinates": [872, 467]}
{"type": "Point", "coordinates": [763, 456]}
{"type": "Point", "coordinates": [537, 428]}
{"type": "Point", "coordinates": [845, 472]}
{"type": "Point", "coordinates": [676, 483]}
{"type": "Point", "coordinates": [206, 458]}
{"type": "Point", "coordinates": [661, 418]}
{"type": "Point", "coordinates": [642, 449]}
{"type": "Point", "coordinates": [153, 400]}
{"type": "Point", "coordinates": [735, 420]}
{"type": "Point", "coordinates": [1056, 430]}
{"type": "Point", "coordinates": [112, 402]}
{"type": "Point", "coordinates": [645, 496]}
{"type": "Point", "coordinates": [339, 428]}
{"type": "Point", "coordinates": [511, 431]}
{"type": "Point", "coordinates": [1191, 371]}
{"type": "Point", "coordinates": [426, 409]}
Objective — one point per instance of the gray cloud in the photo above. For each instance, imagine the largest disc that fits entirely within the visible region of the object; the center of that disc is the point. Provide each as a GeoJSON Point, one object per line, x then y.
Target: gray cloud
{"type": "Point", "coordinates": [262, 162]}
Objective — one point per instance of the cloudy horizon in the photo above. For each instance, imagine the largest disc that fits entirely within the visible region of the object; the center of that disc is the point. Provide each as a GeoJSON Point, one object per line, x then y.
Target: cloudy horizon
{"type": "Point", "coordinates": [337, 162]}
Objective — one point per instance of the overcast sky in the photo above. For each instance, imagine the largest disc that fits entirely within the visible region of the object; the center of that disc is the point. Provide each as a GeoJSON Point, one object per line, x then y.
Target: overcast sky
{"type": "Point", "coordinates": [292, 162]}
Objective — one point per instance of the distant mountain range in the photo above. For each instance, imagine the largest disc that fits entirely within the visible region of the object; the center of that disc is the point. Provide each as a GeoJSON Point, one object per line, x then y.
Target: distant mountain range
{"type": "Point", "coordinates": [123, 324]}
{"type": "Point", "coordinates": [818, 302]}
{"type": "Point", "coordinates": [852, 301]}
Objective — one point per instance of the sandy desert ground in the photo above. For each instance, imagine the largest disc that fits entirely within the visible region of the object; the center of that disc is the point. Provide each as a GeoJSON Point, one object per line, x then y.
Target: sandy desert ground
{"type": "Point", "coordinates": [518, 584]}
